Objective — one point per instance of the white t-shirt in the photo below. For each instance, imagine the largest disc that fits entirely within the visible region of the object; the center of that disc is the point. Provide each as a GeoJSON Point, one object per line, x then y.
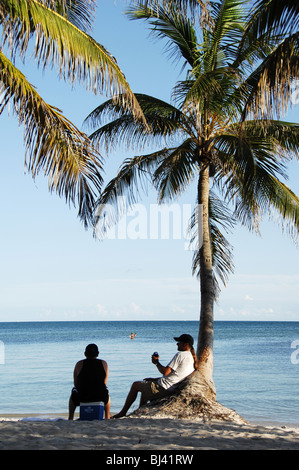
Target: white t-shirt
{"type": "Point", "coordinates": [182, 364]}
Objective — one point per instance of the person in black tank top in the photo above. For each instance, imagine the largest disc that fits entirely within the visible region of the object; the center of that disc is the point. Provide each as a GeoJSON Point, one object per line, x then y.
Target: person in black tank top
{"type": "Point", "coordinates": [90, 380]}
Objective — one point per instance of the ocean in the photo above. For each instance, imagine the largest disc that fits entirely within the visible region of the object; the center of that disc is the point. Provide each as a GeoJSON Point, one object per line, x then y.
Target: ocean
{"type": "Point", "coordinates": [256, 364]}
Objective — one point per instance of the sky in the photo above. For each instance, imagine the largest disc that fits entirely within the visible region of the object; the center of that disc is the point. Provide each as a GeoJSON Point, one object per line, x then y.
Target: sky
{"type": "Point", "coordinates": [52, 269]}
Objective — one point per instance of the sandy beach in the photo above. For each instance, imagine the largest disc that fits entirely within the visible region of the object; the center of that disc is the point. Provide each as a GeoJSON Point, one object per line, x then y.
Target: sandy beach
{"type": "Point", "coordinates": [142, 434]}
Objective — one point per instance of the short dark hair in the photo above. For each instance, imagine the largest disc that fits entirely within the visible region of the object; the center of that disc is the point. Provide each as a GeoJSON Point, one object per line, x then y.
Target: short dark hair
{"type": "Point", "coordinates": [91, 350]}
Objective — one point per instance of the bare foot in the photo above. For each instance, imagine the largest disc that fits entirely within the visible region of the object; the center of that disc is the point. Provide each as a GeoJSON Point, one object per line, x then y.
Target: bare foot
{"type": "Point", "coordinates": [118, 415]}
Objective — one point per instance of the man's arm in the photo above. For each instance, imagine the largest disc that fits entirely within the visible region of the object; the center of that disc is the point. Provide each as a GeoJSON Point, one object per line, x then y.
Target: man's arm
{"type": "Point", "coordinates": [164, 370]}
{"type": "Point", "coordinates": [77, 369]}
{"type": "Point", "coordinates": [106, 369]}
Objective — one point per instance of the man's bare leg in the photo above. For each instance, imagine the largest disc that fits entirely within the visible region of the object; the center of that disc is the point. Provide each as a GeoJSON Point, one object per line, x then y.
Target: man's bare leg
{"type": "Point", "coordinates": [132, 395]}
{"type": "Point", "coordinates": [107, 409]}
{"type": "Point", "coordinates": [72, 409]}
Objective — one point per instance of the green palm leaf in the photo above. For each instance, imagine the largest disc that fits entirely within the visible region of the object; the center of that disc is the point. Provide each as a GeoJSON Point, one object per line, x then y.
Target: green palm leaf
{"type": "Point", "coordinates": [170, 23]}
{"type": "Point", "coordinates": [77, 55]}
{"type": "Point", "coordinates": [229, 21]}
{"type": "Point", "coordinates": [53, 144]}
{"type": "Point", "coordinates": [186, 6]}
{"type": "Point", "coordinates": [222, 252]}
{"type": "Point", "coordinates": [133, 176]}
{"type": "Point", "coordinates": [79, 12]}
{"type": "Point", "coordinates": [175, 173]}
{"type": "Point", "coordinates": [252, 157]}
{"type": "Point", "coordinates": [274, 14]}
{"type": "Point", "coordinates": [161, 118]}
{"type": "Point", "coordinates": [270, 86]}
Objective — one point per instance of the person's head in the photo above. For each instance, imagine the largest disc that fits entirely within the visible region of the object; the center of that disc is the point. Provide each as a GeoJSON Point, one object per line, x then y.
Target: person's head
{"type": "Point", "coordinates": [91, 351]}
{"type": "Point", "coordinates": [185, 343]}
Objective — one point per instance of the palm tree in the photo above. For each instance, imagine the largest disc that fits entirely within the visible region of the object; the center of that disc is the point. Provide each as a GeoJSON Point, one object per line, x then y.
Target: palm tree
{"type": "Point", "coordinates": [53, 144]}
{"type": "Point", "coordinates": [211, 135]}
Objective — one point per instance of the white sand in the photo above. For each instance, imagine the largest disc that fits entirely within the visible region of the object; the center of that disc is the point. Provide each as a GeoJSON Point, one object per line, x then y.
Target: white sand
{"type": "Point", "coordinates": [136, 434]}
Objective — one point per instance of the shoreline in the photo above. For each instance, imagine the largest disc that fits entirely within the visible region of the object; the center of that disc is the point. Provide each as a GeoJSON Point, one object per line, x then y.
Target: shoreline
{"type": "Point", "coordinates": [51, 431]}
{"type": "Point", "coordinates": [64, 416]}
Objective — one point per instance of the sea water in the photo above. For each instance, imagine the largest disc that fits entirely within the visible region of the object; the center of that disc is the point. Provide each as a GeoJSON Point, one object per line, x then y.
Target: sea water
{"type": "Point", "coordinates": [256, 364]}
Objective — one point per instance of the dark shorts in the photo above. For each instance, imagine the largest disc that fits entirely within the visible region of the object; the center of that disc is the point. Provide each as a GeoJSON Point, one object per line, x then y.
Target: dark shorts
{"type": "Point", "coordinates": [75, 396]}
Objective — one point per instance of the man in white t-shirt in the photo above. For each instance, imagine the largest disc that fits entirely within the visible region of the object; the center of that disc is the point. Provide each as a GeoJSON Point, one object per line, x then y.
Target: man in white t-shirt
{"type": "Point", "coordinates": [181, 365]}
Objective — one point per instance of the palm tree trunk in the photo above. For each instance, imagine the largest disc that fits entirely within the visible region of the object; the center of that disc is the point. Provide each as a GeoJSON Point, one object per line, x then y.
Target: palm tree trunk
{"type": "Point", "coordinates": [207, 288]}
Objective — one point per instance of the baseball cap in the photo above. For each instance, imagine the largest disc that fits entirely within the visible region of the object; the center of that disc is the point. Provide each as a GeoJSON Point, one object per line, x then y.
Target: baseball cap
{"type": "Point", "coordinates": [184, 339]}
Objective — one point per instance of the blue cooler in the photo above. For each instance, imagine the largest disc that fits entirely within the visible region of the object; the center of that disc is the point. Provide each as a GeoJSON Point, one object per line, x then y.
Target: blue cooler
{"type": "Point", "coordinates": [91, 411]}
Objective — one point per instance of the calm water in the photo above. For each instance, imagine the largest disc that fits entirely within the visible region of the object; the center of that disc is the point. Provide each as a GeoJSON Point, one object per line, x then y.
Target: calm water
{"type": "Point", "coordinates": [256, 364]}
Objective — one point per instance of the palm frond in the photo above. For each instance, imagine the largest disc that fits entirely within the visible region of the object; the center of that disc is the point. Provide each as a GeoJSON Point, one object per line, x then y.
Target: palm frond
{"type": "Point", "coordinates": [162, 119]}
{"type": "Point", "coordinates": [284, 135]}
{"type": "Point", "coordinates": [229, 19]}
{"type": "Point", "coordinates": [274, 15]}
{"type": "Point", "coordinates": [134, 176]}
{"type": "Point", "coordinates": [77, 55]}
{"type": "Point", "coordinates": [274, 199]}
{"type": "Point", "coordinates": [252, 158]}
{"type": "Point", "coordinates": [176, 171]}
{"type": "Point", "coordinates": [172, 24]}
{"type": "Point", "coordinates": [286, 205]}
{"type": "Point", "coordinates": [220, 216]}
{"type": "Point", "coordinates": [194, 7]}
{"type": "Point", "coordinates": [207, 89]}
{"type": "Point", "coordinates": [53, 144]}
{"type": "Point", "coordinates": [270, 86]}
{"type": "Point", "coordinates": [79, 12]}
{"type": "Point", "coordinates": [112, 109]}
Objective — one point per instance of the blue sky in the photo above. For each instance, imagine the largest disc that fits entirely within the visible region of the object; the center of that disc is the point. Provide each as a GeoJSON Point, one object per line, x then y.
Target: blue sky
{"type": "Point", "coordinates": [52, 269]}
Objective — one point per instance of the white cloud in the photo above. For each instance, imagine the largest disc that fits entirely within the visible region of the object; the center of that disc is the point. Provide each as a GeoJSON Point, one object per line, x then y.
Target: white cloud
{"type": "Point", "coordinates": [102, 311]}
{"type": "Point", "coordinates": [272, 297]}
{"type": "Point", "coordinates": [178, 309]}
{"type": "Point", "coordinates": [251, 297]}
{"type": "Point", "coordinates": [247, 297]}
{"type": "Point", "coordinates": [135, 307]}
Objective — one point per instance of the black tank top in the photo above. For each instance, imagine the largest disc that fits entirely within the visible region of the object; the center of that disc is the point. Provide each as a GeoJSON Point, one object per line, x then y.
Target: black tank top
{"type": "Point", "coordinates": [90, 381]}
